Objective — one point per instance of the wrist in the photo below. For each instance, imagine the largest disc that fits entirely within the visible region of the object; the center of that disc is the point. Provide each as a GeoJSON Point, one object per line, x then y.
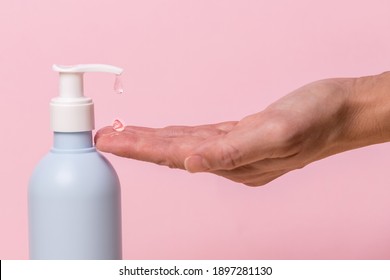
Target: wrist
{"type": "Point", "coordinates": [368, 107]}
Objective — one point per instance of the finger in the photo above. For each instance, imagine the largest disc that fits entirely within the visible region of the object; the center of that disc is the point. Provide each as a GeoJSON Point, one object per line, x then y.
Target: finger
{"type": "Point", "coordinates": [174, 131]}
{"type": "Point", "coordinates": [109, 131]}
{"type": "Point", "coordinates": [165, 146]}
{"type": "Point", "coordinates": [141, 146]}
{"type": "Point", "coordinates": [203, 131]}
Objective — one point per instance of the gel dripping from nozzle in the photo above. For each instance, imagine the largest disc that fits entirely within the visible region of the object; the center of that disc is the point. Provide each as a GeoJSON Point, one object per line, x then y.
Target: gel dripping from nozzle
{"type": "Point", "coordinates": [118, 88]}
{"type": "Point", "coordinates": [118, 125]}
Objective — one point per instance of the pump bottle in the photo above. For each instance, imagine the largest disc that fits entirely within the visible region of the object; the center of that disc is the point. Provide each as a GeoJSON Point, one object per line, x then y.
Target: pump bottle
{"type": "Point", "coordinates": [74, 200]}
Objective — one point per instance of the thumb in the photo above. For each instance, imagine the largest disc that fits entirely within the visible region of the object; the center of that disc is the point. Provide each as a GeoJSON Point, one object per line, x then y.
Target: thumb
{"type": "Point", "coordinates": [215, 154]}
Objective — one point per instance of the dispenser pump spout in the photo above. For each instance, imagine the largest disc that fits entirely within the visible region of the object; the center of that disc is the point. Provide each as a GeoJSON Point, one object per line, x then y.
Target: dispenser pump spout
{"type": "Point", "coordinates": [71, 111]}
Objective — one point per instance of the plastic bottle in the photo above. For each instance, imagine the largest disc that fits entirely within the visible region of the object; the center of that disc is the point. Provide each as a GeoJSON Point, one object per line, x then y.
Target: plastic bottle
{"type": "Point", "coordinates": [74, 200]}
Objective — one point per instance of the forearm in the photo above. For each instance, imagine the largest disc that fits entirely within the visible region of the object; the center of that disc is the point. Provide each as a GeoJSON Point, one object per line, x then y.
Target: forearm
{"type": "Point", "coordinates": [367, 108]}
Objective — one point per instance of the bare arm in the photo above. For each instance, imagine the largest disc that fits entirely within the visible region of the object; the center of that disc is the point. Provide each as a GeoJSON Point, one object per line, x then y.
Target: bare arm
{"type": "Point", "coordinates": [313, 122]}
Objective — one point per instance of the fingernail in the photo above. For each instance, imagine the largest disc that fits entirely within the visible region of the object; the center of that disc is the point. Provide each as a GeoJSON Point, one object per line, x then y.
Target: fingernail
{"type": "Point", "coordinates": [196, 163]}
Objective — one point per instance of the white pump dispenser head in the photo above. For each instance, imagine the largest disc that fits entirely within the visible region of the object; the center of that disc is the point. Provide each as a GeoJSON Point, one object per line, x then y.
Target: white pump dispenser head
{"type": "Point", "coordinates": [71, 111]}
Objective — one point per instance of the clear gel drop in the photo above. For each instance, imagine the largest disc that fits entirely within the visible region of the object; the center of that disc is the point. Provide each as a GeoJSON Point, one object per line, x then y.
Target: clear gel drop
{"type": "Point", "coordinates": [118, 125]}
{"type": "Point", "coordinates": [118, 88]}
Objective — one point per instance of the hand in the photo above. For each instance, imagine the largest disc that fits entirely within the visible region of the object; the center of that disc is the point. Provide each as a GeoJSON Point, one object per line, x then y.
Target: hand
{"type": "Point", "coordinates": [310, 123]}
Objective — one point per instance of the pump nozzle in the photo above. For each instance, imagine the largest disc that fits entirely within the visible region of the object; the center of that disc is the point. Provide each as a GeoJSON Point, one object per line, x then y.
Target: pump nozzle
{"type": "Point", "coordinates": [71, 111]}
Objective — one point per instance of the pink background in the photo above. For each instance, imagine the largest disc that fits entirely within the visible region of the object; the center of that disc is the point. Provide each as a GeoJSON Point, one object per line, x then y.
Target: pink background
{"type": "Point", "coordinates": [195, 62]}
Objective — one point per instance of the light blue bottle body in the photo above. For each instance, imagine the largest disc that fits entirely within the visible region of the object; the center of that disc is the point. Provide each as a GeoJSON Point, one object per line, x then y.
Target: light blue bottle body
{"type": "Point", "coordinates": [74, 202]}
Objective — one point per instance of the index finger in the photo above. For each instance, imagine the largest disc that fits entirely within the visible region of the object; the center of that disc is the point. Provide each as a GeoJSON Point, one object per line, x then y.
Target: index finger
{"type": "Point", "coordinates": [165, 146]}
